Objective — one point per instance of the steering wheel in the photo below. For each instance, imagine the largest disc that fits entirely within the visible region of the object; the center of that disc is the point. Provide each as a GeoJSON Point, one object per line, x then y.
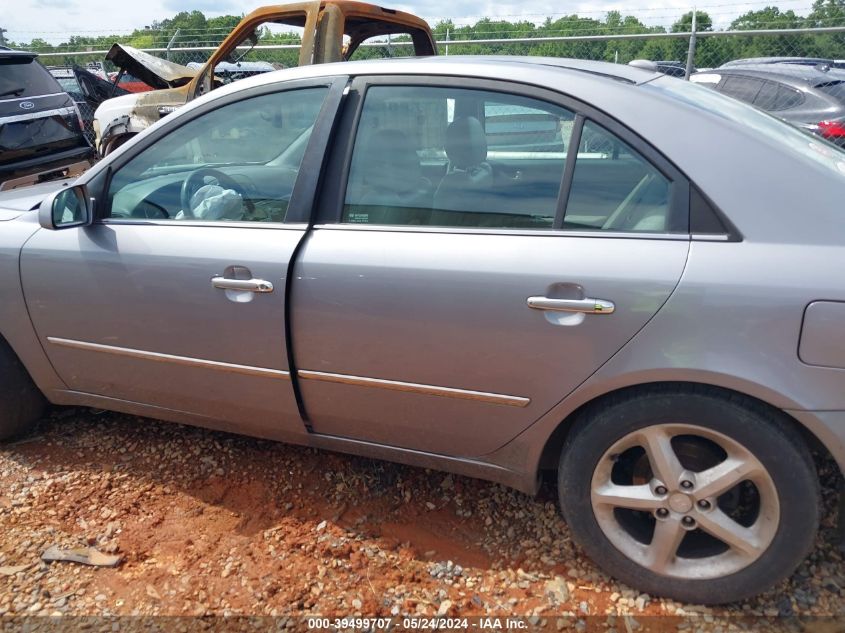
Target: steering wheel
{"type": "Point", "coordinates": [195, 180]}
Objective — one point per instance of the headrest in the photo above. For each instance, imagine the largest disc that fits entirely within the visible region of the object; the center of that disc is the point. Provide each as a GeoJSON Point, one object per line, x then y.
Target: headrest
{"type": "Point", "coordinates": [466, 144]}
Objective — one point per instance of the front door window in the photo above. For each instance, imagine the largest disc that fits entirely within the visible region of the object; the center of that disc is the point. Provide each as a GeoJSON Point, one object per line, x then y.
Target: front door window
{"type": "Point", "coordinates": [236, 163]}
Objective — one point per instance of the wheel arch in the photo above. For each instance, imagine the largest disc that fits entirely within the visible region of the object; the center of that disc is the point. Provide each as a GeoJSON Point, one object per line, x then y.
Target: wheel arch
{"type": "Point", "coordinates": [7, 348]}
{"type": "Point", "coordinates": [23, 346]}
{"type": "Point", "coordinates": [815, 433]}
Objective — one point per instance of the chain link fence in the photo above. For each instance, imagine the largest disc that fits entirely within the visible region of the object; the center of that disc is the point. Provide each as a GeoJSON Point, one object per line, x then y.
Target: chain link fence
{"type": "Point", "coordinates": [709, 48]}
{"type": "Point", "coordinates": [678, 54]}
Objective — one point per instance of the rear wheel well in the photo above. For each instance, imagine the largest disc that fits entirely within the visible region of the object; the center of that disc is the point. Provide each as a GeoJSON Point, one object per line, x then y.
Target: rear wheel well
{"type": "Point", "coordinates": [550, 456]}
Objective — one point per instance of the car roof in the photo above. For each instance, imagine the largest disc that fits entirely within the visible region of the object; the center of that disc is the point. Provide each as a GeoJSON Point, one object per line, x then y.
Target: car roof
{"type": "Point", "coordinates": [805, 61]}
{"type": "Point", "coordinates": [8, 53]}
{"type": "Point", "coordinates": [797, 74]}
{"type": "Point", "coordinates": [619, 72]}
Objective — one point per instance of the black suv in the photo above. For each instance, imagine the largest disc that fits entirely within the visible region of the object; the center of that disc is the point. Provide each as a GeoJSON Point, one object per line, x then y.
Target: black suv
{"type": "Point", "coordinates": [41, 135]}
{"type": "Point", "coordinates": [810, 96]}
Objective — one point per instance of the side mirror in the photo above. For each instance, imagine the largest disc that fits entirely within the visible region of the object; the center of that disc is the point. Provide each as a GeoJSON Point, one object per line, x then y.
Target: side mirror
{"type": "Point", "coordinates": [66, 208]}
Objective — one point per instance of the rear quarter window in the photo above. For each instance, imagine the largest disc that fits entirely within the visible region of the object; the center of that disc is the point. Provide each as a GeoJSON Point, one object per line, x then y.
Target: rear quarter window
{"type": "Point", "coordinates": [775, 96]}
{"type": "Point", "coordinates": [835, 89]}
{"type": "Point", "coordinates": [25, 78]}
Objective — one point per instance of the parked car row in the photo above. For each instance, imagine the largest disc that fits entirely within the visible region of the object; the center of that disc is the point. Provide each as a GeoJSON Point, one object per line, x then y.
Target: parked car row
{"type": "Point", "coordinates": [809, 94]}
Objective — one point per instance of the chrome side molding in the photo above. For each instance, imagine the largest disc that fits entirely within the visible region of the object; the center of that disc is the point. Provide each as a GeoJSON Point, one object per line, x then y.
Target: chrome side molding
{"type": "Point", "coordinates": [170, 358]}
{"type": "Point", "coordinates": [412, 387]}
{"type": "Point", "coordinates": [359, 381]}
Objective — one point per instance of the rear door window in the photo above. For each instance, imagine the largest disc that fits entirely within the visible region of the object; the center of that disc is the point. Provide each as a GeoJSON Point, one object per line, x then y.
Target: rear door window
{"type": "Point", "coordinates": [464, 158]}
{"type": "Point", "coordinates": [454, 157]}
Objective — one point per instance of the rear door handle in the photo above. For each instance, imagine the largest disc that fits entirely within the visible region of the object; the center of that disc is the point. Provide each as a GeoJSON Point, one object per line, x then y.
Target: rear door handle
{"type": "Point", "coordinates": [586, 306]}
{"type": "Point", "coordinates": [249, 285]}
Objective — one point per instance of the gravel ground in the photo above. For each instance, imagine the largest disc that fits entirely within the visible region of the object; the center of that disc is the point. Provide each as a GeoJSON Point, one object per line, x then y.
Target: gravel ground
{"type": "Point", "coordinates": [215, 524]}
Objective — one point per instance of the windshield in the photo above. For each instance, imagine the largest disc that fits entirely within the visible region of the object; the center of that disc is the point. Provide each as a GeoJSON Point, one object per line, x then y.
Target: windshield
{"type": "Point", "coordinates": [25, 78]}
{"type": "Point", "coordinates": [804, 143]}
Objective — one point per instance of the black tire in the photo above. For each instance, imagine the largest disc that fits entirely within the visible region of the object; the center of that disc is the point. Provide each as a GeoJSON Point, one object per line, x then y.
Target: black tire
{"type": "Point", "coordinates": [768, 434]}
{"type": "Point", "coordinates": [21, 402]}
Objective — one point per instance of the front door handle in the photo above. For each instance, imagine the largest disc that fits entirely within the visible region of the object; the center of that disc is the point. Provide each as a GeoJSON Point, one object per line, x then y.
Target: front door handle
{"type": "Point", "coordinates": [249, 285]}
{"type": "Point", "coordinates": [586, 306]}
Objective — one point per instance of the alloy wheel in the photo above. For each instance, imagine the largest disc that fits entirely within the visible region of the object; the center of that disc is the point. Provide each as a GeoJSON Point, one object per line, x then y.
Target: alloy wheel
{"type": "Point", "coordinates": [685, 501]}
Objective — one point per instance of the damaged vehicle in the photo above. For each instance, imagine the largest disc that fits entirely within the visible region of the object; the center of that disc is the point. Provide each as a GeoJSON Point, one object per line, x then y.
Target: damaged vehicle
{"type": "Point", "coordinates": [87, 90]}
{"type": "Point", "coordinates": [41, 128]}
{"type": "Point", "coordinates": [332, 30]}
{"type": "Point", "coordinates": [118, 119]}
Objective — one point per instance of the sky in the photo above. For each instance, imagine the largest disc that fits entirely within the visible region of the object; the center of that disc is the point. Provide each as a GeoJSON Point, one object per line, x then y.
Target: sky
{"type": "Point", "coordinates": [56, 20]}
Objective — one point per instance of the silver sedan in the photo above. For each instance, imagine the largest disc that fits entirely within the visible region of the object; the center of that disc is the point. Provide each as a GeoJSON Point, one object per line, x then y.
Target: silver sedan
{"type": "Point", "coordinates": [491, 266]}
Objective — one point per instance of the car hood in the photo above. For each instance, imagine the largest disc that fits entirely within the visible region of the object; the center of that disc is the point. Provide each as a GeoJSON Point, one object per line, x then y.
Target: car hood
{"type": "Point", "coordinates": [17, 201]}
{"type": "Point", "coordinates": [154, 71]}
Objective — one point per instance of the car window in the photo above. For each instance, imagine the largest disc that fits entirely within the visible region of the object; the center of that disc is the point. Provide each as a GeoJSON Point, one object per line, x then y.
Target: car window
{"type": "Point", "coordinates": [777, 96]}
{"type": "Point", "coordinates": [25, 77]}
{"type": "Point", "coordinates": [383, 47]}
{"type": "Point", "coordinates": [767, 96]}
{"type": "Point", "coordinates": [788, 98]}
{"type": "Point", "coordinates": [522, 128]}
{"type": "Point", "coordinates": [614, 188]}
{"type": "Point", "coordinates": [71, 86]}
{"type": "Point", "coordinates": [835, 89]}
{"type": "Point", "coordinates": [456, 157]}
{"type": "Point", "coordinates": [742, 88]}
{"type": "Point", "coordinates": [238, 162]}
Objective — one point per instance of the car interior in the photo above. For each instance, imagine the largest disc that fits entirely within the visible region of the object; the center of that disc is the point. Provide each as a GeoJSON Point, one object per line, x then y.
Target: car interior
{"type": "Point", "coordinates": [476, 159]}
{"type": "Point", "coordinates": [421, 156]}
{"type": "Point", "coordinates": [238, 162]}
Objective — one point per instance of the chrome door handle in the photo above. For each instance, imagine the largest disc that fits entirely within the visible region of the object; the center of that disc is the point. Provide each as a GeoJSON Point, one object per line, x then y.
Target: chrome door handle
{"type": "Point", "coordinates": [587, 306]}
{"type": "Point", "coordinates": [250, 285]}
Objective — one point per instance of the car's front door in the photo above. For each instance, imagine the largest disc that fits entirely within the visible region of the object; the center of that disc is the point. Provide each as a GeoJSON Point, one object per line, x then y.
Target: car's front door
{"type": "Point", "coordinates": [489, 250]}
{"type": "Point", "coordinates": [175, 296]}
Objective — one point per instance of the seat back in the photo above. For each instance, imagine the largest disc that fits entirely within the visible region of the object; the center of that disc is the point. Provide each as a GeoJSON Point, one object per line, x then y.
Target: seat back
{"type": "Point", "coordinates": [386, 185]}
{"type": "Point", "coordinates": [468, 184]}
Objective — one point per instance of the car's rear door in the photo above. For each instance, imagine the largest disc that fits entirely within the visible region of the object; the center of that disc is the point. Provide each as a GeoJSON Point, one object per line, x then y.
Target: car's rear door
{"type": "Point", "coordinates": [153, 306]}
{"type": "Point", "coordinates": [459, 284]}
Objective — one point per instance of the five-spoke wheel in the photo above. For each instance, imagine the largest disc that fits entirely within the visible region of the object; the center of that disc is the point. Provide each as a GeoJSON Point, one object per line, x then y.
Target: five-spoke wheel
{"type": "Point", "coordinates": [685, 501]}
{"type": "Point", "coordinates": [689, 493]}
